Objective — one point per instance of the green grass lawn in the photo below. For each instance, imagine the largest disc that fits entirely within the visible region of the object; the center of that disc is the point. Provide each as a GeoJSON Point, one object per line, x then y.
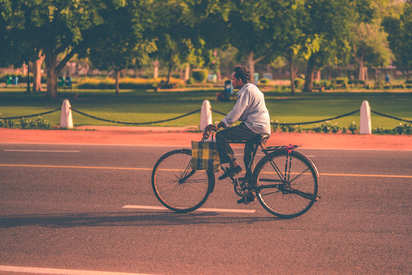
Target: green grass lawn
{"type": "Point", "coordinates": [145, 106]}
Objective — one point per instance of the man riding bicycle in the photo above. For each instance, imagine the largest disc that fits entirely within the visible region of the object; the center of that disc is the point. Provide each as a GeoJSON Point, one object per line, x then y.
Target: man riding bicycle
{"type": "Point", "coordinates": [250, 109]}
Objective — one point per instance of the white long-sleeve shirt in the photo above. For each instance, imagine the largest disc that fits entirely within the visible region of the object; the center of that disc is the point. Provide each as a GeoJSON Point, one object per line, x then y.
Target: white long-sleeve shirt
{"type": "Point", "coordinates": [250, 108]}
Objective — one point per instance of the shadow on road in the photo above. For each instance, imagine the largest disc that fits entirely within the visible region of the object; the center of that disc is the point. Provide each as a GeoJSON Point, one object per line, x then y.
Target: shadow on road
{"type": "Point", "coordinates": [66, 220]}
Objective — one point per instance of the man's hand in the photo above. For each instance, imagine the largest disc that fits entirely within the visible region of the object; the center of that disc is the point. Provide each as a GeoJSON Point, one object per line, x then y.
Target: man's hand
{"type": "Point", "coordinates": [209, 128]}
{"type": "Point", "coordinates": [221, 125]}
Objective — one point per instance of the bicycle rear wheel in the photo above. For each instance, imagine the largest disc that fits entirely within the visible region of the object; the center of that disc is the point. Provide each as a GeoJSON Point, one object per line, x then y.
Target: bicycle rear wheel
{"type": "Point", "coordinates": [176, 185]}
{"type": "Point", "coordinates": [286, 184]}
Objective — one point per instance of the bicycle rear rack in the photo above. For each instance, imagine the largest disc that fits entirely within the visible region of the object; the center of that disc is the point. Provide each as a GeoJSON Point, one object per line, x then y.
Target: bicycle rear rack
{"type": "Point", "coordinates": [289, 147]}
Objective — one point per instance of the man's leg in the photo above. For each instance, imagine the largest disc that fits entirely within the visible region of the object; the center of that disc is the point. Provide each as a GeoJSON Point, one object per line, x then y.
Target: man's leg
{"type": "Point", "coordinates": [224, 137]}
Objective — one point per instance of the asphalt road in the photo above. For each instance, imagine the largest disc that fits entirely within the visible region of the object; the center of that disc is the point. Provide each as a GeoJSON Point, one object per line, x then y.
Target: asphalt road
{"type": "Point", "coordinates": [62, 209]}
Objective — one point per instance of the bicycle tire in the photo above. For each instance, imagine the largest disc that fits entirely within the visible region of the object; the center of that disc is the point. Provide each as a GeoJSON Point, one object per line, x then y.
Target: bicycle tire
{"type": "Point", "coordinates": [176, 185]}
{"type": "Point", "coordinates": [296, 193]}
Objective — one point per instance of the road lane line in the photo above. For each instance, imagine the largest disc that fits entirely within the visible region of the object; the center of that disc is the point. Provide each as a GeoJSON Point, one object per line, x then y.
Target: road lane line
{"type": "Point", "coordinates": [220, 210]}
{"type": "Point", "coordinates": [56, 271]}
{"type": "Point", "coordinates": [366, 175]}
{"type": "Point", "coordinates": [74, 167]}
{"type": "Point", "coordinates": [176, 170]}
{"type": "Point", "coordinates": [41, 151]}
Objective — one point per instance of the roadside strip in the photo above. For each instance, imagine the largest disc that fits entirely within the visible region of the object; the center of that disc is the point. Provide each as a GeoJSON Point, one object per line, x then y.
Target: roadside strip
{"type": "Point", "coordinates": [150, 169]}
{"type": "Point", "coordinates": [41, 270]}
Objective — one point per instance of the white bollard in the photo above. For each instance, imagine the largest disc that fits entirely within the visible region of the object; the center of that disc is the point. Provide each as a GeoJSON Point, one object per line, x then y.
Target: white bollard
{"type": "Point", "coordinates": [66, 120]}
{"type": "Point", "coordinates": [365, 118]}
{"type": "Point", "coordinates": [205, 115]}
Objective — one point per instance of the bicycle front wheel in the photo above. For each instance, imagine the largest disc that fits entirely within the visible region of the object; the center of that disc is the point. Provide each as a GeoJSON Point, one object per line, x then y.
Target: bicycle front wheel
{"type": "Point", "coordinates": [286, 183]}
{"type": "Point", "coordinates": [176, 185]}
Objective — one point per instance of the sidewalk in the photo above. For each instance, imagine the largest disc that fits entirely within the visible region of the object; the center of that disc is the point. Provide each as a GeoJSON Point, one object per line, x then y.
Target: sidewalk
{"type": "Point", "coordinates": [179, 136]}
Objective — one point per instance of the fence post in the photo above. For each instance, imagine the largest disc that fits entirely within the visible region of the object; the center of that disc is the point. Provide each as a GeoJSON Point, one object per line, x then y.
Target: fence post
{"type": "Point", "coordinates": [205, 115]}
{"type": "Point", "coordinates": [66, 120]}
{"type": "Point", "coordinates": [365, 118]}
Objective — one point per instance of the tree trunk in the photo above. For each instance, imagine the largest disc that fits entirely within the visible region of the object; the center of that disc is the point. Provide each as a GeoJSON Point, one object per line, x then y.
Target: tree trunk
{"type": "Point", "coordinates": [187, 72]}
{"type": "Point", "coordinates": [251, 63]}
{"type": "Point", "coordinates": [219, 75]}
{"type": "Point", "coordinates": [28, 91]}
{"type": "Point", "coordinates": [169, 73]}
{"type": "Point", "coordinates": [37, 74]}
{"type": "Point", "coordinates": [317, 75]}
{"type": "Point", "coordinates": [51, 63]}
{"type": "Point", "coordinates": [156, 69]}
{"type": "Point", "coordinates": [310, 67]}
{"type": "Point", "coordinates": [292, 73]}
{"type": "Point", "coordinates": [361, 70]}
{"type": "Point", "coordinates": [117, 76]}
{"type": "Point", "coordinates": [217, 65]}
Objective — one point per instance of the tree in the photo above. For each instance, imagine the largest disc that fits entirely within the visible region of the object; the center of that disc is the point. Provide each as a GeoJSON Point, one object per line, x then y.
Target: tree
{"type": "Point", "coordinates": [119, 41]}
{"type": "Point", "coordinates": [368, 39]}
{"type": "Point", "coordinates": [370, 47]}
{"type": "Point", "coordinates": [172, 31]}
{"type": "Point", "coordinates": [247, 31]}
{"type": "Point", "coordinates": [18, 44]}
{"type": "Point", "coordinates": [58, 29]}
{"type": "Point", "coordinates": [284, 24]}
{"type": "Point", "coordinates": [327, 31]}
{"type": "Point", "coordinates": [400, 38]}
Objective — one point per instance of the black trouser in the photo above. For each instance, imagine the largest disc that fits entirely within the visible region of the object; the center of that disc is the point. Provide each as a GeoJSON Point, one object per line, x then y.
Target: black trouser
{"type": "Point", "coordinates": [236, 133]}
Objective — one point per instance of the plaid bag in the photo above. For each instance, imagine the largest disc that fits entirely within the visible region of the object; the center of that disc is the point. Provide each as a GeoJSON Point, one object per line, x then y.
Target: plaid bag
{"type": "Point", "coordinates": [204, 155]}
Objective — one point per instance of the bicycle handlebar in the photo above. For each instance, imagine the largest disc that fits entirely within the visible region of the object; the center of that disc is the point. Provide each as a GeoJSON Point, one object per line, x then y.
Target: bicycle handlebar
{"type": "Point", "coordinates": [207, 132]}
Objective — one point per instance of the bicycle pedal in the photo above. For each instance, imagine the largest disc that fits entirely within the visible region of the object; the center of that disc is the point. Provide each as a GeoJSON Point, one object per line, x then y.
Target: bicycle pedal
{"type": "Point", "coordinates": [246, 199]}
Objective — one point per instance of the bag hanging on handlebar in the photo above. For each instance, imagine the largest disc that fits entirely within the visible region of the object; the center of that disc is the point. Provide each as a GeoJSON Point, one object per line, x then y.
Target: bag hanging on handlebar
{"type": "Point", "coordinates": [204, 155]}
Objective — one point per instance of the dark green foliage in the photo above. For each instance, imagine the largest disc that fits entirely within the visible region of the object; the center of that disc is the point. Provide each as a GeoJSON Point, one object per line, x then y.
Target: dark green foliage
{"type": "Point", "coordinates": [200, 75]}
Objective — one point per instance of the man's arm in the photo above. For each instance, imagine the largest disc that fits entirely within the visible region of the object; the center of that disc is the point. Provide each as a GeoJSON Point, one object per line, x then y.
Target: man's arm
{"type": "Point", "coordinates": [240, 106]}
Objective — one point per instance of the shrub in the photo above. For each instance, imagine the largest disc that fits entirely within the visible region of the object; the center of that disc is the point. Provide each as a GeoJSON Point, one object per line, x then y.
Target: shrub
{"type": "Point", "coordinates": [368, 86]}
{"type": "Point", "coordinates": [379, 84]}
{"type": "Point", "coordinates": [37, 123]}
{"type": "Point", "coordinates": [264, 81]}
{"type": "Point", "coordinates": [341, 82]}
{"type": "Point", "coordinates": [200, 75]}
{"type": "Point", "coordinates": [6, 123]}
{"type": "Point", "coordinates": [398, 86]}
{"type": "Point", "coordinates": [299, 83]}
{"type": "Point", "coordinates": [353, 127]}
{"type": "Point", "coordinates": [357, 83]}
{"type": "Point", "coordinates": [127, 83]}
{"type": "Point", "coordinates": [403, 129]}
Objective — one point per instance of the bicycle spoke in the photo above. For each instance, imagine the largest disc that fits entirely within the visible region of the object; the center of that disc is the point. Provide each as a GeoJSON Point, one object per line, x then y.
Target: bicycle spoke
{"type": "Point", "coordinates": [295, 178]}
{"type": "Point", "coordinates": [175, 183]}
{"type": "Point", "coordinates": [304, 195]}
{"type": "Point", "coordinates": [277, 170]}
{"type": "Point", "coordinates": [287, 183]}
{"type": "Point", "coordinates": [270, 180]}
{"type": "Point", "coordinates": [271, 193]}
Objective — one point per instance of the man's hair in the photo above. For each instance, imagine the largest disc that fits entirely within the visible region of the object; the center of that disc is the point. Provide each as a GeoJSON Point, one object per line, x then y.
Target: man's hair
{"type": "Point", "coordinates": [242, 72]}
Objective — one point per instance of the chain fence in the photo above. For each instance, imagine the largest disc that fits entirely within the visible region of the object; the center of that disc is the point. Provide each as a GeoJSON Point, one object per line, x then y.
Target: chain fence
{"type": "Point", "coordinates": [198, 111]}
{"type": "Point", "coordinates": [136, 123]}
{"type": "Point", "coordinates": [28, 116]}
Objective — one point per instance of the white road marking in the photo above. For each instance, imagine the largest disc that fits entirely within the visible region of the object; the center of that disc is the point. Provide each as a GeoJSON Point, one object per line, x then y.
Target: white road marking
{"type": "Point", "coordinates": [41, 151]}
{"type": "Point", "coordinates": [41, 270]}
{"type": "Point", "coordinates": [220, 210]}
{"type": "Point", "coordinates": [176, 170]}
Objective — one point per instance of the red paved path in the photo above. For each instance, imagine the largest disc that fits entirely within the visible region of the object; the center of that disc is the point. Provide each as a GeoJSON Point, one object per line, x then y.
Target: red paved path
{"type": "Point", "coordinates": [181, 137]}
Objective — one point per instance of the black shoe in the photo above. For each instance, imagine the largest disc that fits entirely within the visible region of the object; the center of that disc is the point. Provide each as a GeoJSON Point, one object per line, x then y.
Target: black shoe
{"type": "Point", "coordinates": [231, 172]}
{"type": "Point", "coordinates": [247, 198]}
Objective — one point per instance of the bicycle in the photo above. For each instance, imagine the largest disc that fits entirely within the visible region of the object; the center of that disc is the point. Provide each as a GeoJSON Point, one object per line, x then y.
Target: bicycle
{"type": "Point", "coordinates": [284, 180]}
